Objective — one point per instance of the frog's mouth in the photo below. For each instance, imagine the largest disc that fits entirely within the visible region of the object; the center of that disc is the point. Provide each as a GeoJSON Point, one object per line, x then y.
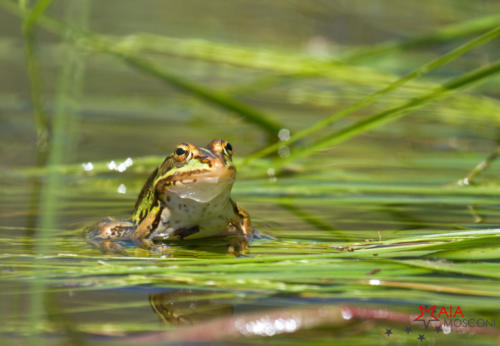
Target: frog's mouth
{"type": "Point", "coordinates": [204, 185]}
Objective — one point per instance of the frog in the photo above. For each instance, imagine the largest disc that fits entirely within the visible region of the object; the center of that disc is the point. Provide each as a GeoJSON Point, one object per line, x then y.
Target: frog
{"type": "Point", "coordinates": [188, 196]}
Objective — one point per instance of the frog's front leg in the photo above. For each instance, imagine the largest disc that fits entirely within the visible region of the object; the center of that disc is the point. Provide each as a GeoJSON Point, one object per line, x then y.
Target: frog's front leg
{"type": "Point", "coordinates": [106, 234]}
{"type": "Point", "coordinates": [240, 231]}
{"type": "Point", "coordinates": [245, 224]}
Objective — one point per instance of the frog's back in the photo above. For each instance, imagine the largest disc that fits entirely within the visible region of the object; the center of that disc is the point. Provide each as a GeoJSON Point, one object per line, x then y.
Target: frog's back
{"type": "Point", "coordinates": [146, 198]}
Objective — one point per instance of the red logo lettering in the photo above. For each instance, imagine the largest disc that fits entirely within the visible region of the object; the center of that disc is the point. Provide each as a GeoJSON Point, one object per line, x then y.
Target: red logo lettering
{"type": "Point", "coordinates": [443, 310]}
{"type": "Point", "coordinates": [458, 311]}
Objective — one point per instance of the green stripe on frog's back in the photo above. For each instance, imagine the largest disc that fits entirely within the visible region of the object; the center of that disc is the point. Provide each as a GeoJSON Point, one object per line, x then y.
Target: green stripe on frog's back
{"type": "Point", "coordinates": [148, 199]}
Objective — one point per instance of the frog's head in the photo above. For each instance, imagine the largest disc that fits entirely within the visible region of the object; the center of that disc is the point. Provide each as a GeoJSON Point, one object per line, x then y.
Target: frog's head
{"type": "Point", "coordinates": [197, 173]}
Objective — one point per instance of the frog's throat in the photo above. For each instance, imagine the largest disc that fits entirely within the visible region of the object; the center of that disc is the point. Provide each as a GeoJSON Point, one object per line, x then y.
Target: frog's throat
{"type": "Point", "coordinates": [201, 189]}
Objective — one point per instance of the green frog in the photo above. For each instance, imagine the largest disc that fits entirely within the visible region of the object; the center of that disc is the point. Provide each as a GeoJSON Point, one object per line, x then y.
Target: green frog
{"type": "Point", "coordinates": [188, 196]}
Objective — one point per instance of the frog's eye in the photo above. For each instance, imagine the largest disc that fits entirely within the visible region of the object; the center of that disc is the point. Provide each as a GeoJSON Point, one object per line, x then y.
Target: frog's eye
{"type": "Point", "coordinates": [228, 149]}
{"type": "Point", "coordinates": [181, 153]}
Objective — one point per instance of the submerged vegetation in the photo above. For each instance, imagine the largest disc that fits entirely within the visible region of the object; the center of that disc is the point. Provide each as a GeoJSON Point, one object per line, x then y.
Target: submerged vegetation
{"type": "Point", "coordinates": [404, 214]}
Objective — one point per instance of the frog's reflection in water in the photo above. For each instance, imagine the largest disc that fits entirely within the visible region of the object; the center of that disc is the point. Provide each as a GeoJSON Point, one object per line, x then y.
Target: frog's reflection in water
{"type": "Point", "coordinates": [186, 307]}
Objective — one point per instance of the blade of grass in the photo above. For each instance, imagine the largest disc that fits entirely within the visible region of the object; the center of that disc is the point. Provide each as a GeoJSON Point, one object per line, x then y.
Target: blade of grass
{"type": "Point", "coordinates": [258, 59]}
{"type": "Point", "coordinates": [35, 13]}
{"type": "Point", "coordinates": [313, 220]}
{"type": "Point", "coordinates": [445, 34]}
{"type": "Point", "coordinates": [426, 68]}
{"type": "Point", "coordinates": [42, 129]}
{"type": "Point", "coordinates": [469, 179]}
{"type": "Point", "coordinates": [249, 114]}
{"type": "Point", "coordinates": [393, 113]}
{"type": "Point", "coordinates": [39, 116]}
{"type": "Point", "coordinates": [70, 78]}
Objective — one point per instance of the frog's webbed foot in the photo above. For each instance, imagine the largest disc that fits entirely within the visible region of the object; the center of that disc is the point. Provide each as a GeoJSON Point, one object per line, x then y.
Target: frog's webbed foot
{"type": "Point", "coordinates": [245, 226]}
{"type": "Point", "coordinates": [237, 245]}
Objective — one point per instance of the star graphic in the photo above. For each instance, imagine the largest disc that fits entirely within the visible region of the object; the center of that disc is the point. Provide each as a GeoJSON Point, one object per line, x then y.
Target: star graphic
{"type": "Point", "coordinates": [432, 309]}
{"type": "Point", "coordinates": [438, 329]}
{"type": "Point", "coordinates": [408, 330]}
{"type": "Point", "coordinates": [421, 337]}
{"type": "Point", "coordinates": [427, 321]}
{"type": "Point", "coordinates": [388, 332]}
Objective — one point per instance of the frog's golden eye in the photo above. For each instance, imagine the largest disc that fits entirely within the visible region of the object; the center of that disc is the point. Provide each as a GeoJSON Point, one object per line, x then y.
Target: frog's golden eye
{"type": "Point", "coordinates": [221, 147]}
{"type": "Point", "coordinates": [181, 153]}
{"type": "Point", "coordinates": [228, 148]}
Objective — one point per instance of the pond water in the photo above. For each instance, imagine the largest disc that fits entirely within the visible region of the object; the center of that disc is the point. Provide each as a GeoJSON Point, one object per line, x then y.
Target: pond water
{"type": "Point", "coordinates": [376, 222]}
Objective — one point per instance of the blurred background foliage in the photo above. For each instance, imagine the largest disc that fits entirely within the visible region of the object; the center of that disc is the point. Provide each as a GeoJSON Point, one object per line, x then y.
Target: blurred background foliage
{"type": "Point", "coordinates": [287, 83]}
